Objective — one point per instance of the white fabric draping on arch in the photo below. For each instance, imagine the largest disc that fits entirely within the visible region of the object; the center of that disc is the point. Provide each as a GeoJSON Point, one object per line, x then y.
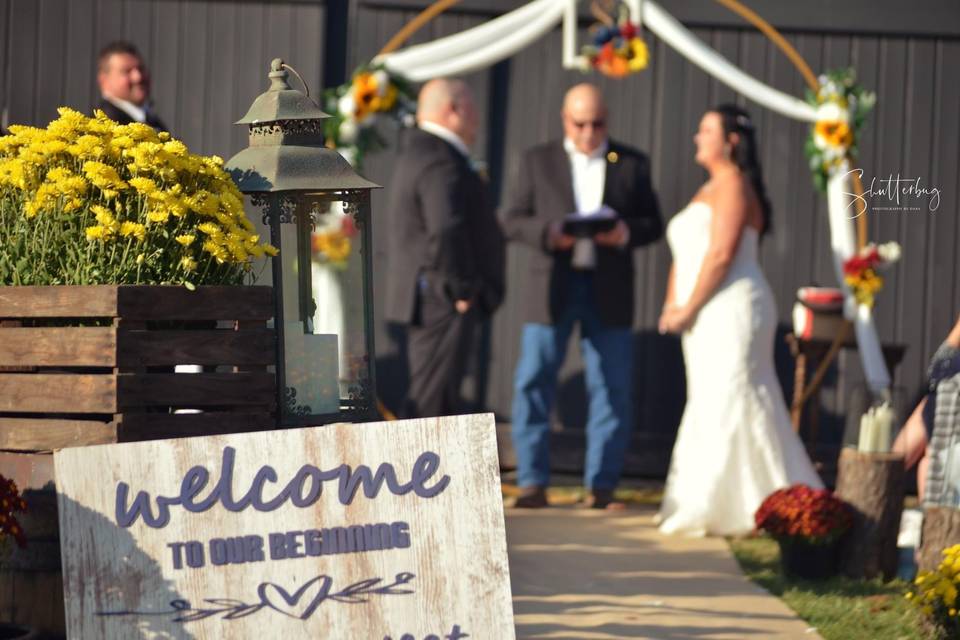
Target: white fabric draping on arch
{"type": "Point", "coordinates": [479, 47]}
{"type": "Point", "coordinates": [502, 37]}
{"type": "Point", "coordinates": [843, 244]}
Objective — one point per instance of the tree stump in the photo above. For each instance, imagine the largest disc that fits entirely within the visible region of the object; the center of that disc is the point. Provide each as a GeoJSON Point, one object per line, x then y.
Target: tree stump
{"type": "Point", "coordinates": [941, 529]}
{"type": "Point", "coordinates": [873, 484]}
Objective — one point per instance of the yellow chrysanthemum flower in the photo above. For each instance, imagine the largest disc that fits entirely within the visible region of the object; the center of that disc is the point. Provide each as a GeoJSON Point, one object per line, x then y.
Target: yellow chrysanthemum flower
{"type": "Point", "coordinates": [158, 215]}
{"type": "Point", "coordinates": [146, 186]}
{"type": "Point", "coordinates": [210, 229]}
{"type": "Point", "coordinates": [97, 233]}
{"type": "Point", "coordinates": [134, 229]}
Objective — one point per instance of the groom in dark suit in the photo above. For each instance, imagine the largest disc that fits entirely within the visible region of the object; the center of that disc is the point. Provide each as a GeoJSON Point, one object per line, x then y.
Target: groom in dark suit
{"type": "Point", "coordinates": [578, 280]}
{"type": "Point", "coordinates": [446, 250]}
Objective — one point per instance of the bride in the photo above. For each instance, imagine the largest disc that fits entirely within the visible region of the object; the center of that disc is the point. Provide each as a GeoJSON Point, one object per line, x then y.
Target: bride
{"type": "Point", "coordinates": [735, 444]}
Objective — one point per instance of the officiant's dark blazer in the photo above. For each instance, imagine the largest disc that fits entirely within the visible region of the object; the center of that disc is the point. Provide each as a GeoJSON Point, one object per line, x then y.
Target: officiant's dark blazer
{"type": "Point", "coordinates": [542, 191]}
{"type": "Point", "coordinates": [120, 116]}
{"type": "Point", "coordinates": [442, 227]}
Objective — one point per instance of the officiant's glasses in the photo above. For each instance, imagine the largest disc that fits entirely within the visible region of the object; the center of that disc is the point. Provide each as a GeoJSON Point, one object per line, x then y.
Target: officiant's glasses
{"type": "Point", "coordinates": [596, 124]}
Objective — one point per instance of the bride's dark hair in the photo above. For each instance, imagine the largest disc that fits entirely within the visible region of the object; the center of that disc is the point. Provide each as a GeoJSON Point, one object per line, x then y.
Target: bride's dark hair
{"type": "Point", "coordinates": [744, 153]}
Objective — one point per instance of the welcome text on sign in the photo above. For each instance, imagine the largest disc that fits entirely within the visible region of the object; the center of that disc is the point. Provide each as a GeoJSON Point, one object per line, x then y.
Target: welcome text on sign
{"type": "Point", "coordinates": [308, 477]}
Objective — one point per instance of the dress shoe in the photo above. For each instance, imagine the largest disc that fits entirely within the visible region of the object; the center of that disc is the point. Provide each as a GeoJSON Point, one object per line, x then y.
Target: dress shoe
{"type": "Point", "coordinates": [531, 498]}
{"type": "Point", "coordinates": [602, 499]}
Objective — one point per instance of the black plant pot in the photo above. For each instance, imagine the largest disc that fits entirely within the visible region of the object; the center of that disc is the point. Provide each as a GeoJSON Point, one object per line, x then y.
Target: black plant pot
{"type": "Point", "coordinates": [800, 559]}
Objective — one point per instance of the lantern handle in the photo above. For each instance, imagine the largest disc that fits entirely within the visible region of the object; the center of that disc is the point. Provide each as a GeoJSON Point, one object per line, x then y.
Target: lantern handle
{"type": "Point", "coordinates": [306, 89]}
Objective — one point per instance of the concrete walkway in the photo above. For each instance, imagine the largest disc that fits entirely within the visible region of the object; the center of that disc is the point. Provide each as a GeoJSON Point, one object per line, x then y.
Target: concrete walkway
{"type": "Point", "coordinates": [588, 575]}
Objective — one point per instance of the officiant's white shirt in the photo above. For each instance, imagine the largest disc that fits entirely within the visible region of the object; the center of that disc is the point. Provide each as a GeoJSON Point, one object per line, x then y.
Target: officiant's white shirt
{"type": "Point", "coordinates": [588, 173]}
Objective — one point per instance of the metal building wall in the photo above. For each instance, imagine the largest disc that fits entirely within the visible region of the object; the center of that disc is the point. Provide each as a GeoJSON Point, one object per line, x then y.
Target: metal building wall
{"type": "Point", "coordinates": [209, 58]}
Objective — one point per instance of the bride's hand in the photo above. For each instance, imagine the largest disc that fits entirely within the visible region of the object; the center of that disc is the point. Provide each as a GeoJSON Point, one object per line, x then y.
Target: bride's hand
{"type": "Point", "coordinates": [676, 320]}
{"type": "Point", "coordinates": [662, 325]}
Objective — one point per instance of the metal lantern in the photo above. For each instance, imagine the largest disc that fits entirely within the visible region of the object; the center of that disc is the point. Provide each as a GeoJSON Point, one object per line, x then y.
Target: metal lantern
{"type": "Point", "coordinates": [318, 213]}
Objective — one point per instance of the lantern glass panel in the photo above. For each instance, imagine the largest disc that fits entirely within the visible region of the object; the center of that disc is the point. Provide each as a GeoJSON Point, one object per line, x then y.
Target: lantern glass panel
{"type": "Point", "coordinates": [322, 239]}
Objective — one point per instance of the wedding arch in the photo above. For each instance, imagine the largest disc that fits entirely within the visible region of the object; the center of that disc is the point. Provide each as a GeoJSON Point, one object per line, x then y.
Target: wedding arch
{"type": "Point", "coordinates": [834, 107]}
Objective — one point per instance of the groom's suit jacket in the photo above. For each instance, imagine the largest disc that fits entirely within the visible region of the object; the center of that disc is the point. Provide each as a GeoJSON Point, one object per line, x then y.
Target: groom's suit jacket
{"type": "Point", "coordinates": [542, 192]}
{"type": "Point", "coordinates": [443, 230]}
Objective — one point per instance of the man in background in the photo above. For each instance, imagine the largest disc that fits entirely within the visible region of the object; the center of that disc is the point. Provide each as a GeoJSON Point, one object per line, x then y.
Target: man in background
{"type": "Point", "coordinates": [585, 281]}
{"type": "Point", "coordinates": [445, 247]}
{"type": "Point", "coordinates": [125, 86]}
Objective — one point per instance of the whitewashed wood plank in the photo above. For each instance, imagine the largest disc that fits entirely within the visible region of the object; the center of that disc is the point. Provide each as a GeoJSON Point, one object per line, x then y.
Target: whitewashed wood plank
{"type": "Point", "coordinates": [456, 554]}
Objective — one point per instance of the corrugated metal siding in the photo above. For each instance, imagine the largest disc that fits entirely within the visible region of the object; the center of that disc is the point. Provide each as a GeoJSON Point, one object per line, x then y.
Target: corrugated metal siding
{"type": "Point", "coordinates": [914, 131]}
{"type": "Point", "coordinates": [208, 59]}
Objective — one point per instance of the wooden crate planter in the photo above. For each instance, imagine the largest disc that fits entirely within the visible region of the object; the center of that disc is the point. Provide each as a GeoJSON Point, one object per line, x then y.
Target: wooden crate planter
{"type": "Point", "coordinates": [94, 364]}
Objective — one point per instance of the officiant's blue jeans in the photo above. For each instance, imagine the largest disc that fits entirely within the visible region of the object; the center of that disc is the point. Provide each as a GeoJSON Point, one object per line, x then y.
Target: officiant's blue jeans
{"type": "Point", "coordinates": [608, 363]}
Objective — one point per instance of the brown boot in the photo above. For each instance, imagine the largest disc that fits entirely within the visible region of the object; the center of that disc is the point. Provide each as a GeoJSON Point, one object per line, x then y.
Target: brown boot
{"type": "Point", "coordinates": [531, 498]}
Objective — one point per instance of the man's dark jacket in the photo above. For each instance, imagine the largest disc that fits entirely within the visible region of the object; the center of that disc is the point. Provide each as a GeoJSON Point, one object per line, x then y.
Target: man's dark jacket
{"type": "Point", "coordinates": [441, 227]}
{"type": "Point", "coordinates": [542, 192]}
{"type": "Point", "coordinates": [120, 116]}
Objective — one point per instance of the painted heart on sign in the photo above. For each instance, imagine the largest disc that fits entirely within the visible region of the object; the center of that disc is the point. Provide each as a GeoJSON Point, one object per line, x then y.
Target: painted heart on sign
{"type": "Point", "coordinates": [302, 603]}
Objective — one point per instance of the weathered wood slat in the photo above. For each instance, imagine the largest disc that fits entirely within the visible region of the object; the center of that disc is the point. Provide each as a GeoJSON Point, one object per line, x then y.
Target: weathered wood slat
{"type": "Point", "coordinates": [147, 348]}
{"type": "Point", "coordinates": [44, 434]}
{"type": "Point", "coordinates": [58, 346]}
{"type": "Point", "coordinates": [26, 595]}
{"type": "Point", "coordinates": [205, 303]}
{"type": "Point", "coordinates": [137, 302]}
{"type": "Point", "coordinates": [198, 389]}
{"type": "Point", "coordinates": [58, 302]}
{"type": "Point", "coordinates": [57, 393]}
{"type": "Point", "coordinates": [157, 426]}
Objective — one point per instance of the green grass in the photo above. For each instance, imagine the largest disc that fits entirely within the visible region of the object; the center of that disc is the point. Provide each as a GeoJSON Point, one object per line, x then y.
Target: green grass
{"type": "Point", "coordinates": [840, 608]}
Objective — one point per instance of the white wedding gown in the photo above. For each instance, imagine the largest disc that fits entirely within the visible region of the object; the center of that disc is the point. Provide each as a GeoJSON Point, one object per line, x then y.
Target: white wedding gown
{"type": "Point", "coordinates": [736, 444]}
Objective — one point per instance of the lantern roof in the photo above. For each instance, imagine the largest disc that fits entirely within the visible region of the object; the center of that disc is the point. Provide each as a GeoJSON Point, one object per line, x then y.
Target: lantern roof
{"type": "Point", "coordinates": [286, 150]}
{"type": "Point", "coordinates": [281, 102]}
{"type": "Point", "coordinates": [294, 168]}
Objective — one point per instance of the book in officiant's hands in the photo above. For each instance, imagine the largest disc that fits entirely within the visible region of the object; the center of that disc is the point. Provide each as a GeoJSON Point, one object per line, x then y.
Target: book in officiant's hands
{"type": "Point", "coordinates": [586, 224]}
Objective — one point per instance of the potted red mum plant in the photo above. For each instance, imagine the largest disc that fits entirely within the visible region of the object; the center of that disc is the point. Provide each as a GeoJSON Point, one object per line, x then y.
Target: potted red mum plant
{"type": "Point", "coordinates": [808, 524]}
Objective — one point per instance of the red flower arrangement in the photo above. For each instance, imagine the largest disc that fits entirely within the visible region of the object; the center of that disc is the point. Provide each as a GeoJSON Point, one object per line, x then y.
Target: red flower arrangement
{"type": "Point", "coordinates": [860, 271]}
{"type": "Point", "coordinates": [10, 503]}
{"type": "Point", "coordinates": [796, 513]}
{"type": "Point", "coordinates": [618, 48]}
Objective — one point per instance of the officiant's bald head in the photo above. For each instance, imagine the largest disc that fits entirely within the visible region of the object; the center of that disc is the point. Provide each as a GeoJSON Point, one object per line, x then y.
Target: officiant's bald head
{"type": "Point", "coordinates": [449, 103]}
{"type": "Point", "coordinates": [584, 116]}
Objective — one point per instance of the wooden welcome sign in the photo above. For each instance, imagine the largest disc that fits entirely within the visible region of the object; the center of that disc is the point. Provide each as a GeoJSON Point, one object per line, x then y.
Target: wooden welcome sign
{"type": "Point", "coordinates": [385, 531]}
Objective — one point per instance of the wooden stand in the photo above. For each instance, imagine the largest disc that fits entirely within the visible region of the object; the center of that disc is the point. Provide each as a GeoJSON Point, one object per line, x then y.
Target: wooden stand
{"type": "Point", "coordinates": [941, 529]}
{"type": "Point", "coordinates": [873, 483]}
{"type": "Point", "coordinates": [808, 355]}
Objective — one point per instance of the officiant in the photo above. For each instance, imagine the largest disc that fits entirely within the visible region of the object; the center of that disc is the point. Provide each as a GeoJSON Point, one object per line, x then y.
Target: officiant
{"type": "Point", "coordinates": [582, 203]}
